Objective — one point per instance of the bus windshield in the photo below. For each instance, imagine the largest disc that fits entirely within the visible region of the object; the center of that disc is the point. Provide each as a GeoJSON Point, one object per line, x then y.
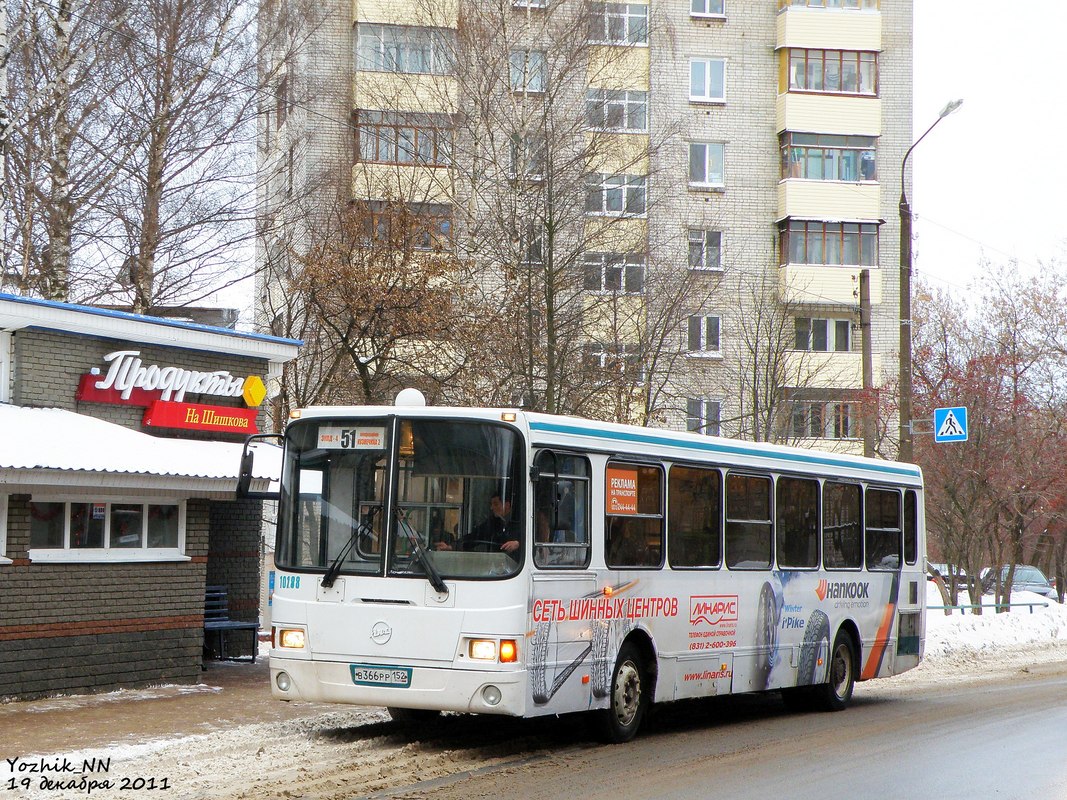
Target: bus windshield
{"type": "Point", "coordinates": [369, 494]}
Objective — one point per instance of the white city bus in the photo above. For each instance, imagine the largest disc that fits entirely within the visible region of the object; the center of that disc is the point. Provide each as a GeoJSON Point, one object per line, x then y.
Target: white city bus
{"type": "Point", "coordinates": [503, 562]}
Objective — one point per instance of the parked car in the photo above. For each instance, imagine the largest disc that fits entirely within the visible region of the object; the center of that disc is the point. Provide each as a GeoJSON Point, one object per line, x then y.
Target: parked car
{"type": "Point", "coordinates": [1026, 579]}
{"type": "Point", "coordinates": [945, 571]}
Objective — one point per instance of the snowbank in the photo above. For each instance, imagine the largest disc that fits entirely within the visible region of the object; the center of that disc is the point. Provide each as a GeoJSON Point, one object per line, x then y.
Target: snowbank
{"type": "Point", "coordinates": [1018, 628]}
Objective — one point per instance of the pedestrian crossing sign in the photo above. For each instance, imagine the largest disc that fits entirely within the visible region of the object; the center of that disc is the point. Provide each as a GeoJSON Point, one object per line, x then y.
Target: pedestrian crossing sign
{"type": "Point", "coordinates": [950, 424]}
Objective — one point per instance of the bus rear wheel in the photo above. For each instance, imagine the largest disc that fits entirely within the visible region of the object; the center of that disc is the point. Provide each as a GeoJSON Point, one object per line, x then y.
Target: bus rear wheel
{"type": "Point", "coordinates": [627, 697]}
{"type": "Point", "coordinates": [835, 694]}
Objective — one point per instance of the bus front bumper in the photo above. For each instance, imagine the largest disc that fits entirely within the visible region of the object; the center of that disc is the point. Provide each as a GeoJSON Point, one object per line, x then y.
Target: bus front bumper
{"type": "Point", "coordinates": [442, 689]}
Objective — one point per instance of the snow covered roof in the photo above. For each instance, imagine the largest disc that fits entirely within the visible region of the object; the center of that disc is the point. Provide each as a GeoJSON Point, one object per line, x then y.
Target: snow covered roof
{"type": "Point", "coordinates": [17, 312]}
{"type": "Point", "coordinates": [43, 448]}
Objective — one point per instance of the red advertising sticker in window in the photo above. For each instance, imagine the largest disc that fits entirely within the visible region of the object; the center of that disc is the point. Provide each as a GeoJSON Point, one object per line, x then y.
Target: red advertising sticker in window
{"type": "Point", "coordinates": [621, 491]}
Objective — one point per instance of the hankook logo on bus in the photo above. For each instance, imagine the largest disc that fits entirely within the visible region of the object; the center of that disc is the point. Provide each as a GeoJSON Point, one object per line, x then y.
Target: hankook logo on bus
{"type": "Point", "coordinates": [380, 632]}
{"type": "Point", "coordinates": [843, 590]}
{"type": "Point", "coordinates": [712, 609]}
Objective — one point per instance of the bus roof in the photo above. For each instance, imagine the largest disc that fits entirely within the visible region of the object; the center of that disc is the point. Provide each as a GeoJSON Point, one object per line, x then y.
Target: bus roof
{"type": "Point", "coordinates": [610, 437]}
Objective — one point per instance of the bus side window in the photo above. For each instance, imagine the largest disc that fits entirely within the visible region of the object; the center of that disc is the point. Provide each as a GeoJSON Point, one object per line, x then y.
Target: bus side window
{"type": "Point", "coordinates": [883, 529]}
{"type": "Point", "coordinates": [842, 531]}
{"type": "Point", "coordinates": [694, 517]}
{"type": "Point", "coordinates": [911, 527]}
{"type": "Point", "coordinates": [748, 522]}
{"type": "Point", "coordinates": [797, 517]}
{"type": "Point", "coordinates": [633, 522]}
{"type": "Point", "coordinates": [561, 511]}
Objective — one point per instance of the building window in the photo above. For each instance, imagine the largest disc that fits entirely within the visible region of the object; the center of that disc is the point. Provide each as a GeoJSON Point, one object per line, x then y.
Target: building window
{"type": "Point", "coordinates": [620, 110]}
{"type": "Point", "coordinates": [823, 335]}
{"type": "Point", "coordinates": [705, 249]}
{"type": "Point", "coordinates": [851, 5]}
{"type": "Point", "coordinates": [527, 155]}
{"type": "Point", "coordinates": [419, 226]}
{"type": "Point", "coordinates": [616, 195]}
{"type": "Point", "coordinates": [399, 48]}
{"type": "Point", "coordinates": [528, 70]}
{"type": "Point", "coordinates": [706, 163]}
{"type": "Point", "coordinates": [824, 421]}
{"type": "Point", "coordinates": [707, 8]}
{"type": "Point", "coordinates": [821, 157]}
{"type": "Point", "coordinates": [529, 4]}
{"type": "Point", "coordinates": [281, 100]}
{"type": "Point", "coordinates": [834, 71]}
{"type": "Point", "coordinates": [703, 416]}
{"type": "Point", "coordinates": [707, 80]}
{"type": "Point", "coordinates": [614, 272]}
{"type": "Point", "coordinates": [704, 335]}
{"type": "Point", "coordinates": [829, 243]}
{"type": "Point", "coordinates": [622, 359]}
{"type": "Point", "coordinates": [386, 138]}
{"type": "Point", "coordinates": [104, 530]}
{"type": "Point", "coordinates": [618, 23]}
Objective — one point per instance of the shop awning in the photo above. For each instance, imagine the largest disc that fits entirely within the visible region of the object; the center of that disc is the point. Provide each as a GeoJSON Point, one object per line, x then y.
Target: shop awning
{"type": "Point", "coordinates": [46, 448]}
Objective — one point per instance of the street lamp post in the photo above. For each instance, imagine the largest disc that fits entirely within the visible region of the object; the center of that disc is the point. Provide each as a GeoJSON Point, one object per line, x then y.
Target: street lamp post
{"type": "Point", "coordinates": [906, 450]}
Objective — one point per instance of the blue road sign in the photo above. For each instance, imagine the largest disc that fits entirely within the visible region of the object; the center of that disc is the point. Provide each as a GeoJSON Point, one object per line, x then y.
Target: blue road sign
{"type": "Point", "coordinates": [950, 424]}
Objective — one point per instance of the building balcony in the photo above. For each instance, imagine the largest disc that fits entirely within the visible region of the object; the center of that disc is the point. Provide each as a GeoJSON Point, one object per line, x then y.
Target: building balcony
{"type": "Point", "coordinates": [830, 28]}
{"type": "Point", "coordinates": [398, 91]}
{"type": "Point", "coordinates": [826, 285]}
{"type": "Point", "coordinates": [843, 114]}
{"type": "Point", "coordinates": [830, 200]}
{"type": "Point", "coordinates": [815, 370]}
{"type": "Point", "coordinates": [413, 183]}
{"type": "Point", "coordinates": [435, 14]}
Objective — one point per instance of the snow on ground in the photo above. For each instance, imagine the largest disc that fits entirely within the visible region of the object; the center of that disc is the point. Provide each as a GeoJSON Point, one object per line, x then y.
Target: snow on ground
{"type": "Point", "coordinates": [327, 754]}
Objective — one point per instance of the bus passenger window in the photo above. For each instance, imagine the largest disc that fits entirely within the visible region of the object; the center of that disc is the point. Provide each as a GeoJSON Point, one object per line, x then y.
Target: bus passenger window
{"type": "Point", "coordinates": [561, 511]}
{"type": "Point", "coordinates": [911, 527]}
{"type": "Point", "coordinates": [883, 529]}
{"type": "Point", "coordinates": [694, 517]}
{"type": "Point", "coordinates": [748, 522]}
{"type": "Point", "coordinates": [842, 539]}
{"type": "Point", "coordinates": [633, 524]}
{"type": "Point", "coordinates": [797, 516]}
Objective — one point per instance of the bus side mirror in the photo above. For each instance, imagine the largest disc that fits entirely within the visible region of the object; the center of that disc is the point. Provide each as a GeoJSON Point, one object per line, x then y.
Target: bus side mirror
{"type": "Point", "coordinates": [244, 473]}
{"type": "Point", "coordinates": [244, 476]}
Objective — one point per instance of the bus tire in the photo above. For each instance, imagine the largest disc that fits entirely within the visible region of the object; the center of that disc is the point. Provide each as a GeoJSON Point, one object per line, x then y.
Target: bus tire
{"type": "Point", "coordinates": [627, 698]}
{"type": "Point", "coordinates": [835, 694]}
{"type": "Point", "coordinates": [412, 716]}
{"type": "Point", "coordinates": [816, 644]}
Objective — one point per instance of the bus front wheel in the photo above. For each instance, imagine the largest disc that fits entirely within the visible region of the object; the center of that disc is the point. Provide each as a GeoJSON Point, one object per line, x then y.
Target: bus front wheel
{"type": "Point", "coordinates": [627, 697]}
{"type": "Point", "coordinates": [835, 694]}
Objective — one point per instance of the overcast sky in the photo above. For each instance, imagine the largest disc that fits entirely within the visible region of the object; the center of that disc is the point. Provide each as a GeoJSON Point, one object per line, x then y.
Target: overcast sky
{"type": "Point", "coordinates": [989, 180]}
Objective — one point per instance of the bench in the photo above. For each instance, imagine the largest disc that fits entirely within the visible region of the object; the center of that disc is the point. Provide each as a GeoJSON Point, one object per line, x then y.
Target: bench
{"type": "Point", "coordinates": [217, 619]}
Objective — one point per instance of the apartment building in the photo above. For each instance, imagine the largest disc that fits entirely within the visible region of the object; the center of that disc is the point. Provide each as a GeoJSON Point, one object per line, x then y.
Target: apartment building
{"type": "Point", "coordinates": [743, 155]}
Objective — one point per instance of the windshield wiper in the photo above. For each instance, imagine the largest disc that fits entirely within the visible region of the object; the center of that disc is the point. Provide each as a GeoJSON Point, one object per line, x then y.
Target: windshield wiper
{"type": "Point", "coordinates": [359, 529]}
{"type": "Point", "coordinates": [432, 575]}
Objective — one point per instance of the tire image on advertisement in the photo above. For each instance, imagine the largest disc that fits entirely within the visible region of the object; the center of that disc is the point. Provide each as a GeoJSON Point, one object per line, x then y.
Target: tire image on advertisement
{"type": "Point", "coordinates": [814, 648]}
{"type": "Point", "coordinates": [767, 618]}
{"type": "Point", "coordinates": [628, 697]}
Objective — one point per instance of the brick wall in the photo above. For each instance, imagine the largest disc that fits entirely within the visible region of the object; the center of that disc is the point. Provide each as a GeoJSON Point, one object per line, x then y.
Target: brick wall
{"type": "Point", "coordinates": [49, 364]}
{"type": "Point", "coordinates": [92, 627]}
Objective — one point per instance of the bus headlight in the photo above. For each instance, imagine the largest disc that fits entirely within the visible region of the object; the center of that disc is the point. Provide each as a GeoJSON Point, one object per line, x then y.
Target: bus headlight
{"type": "Point", "coordinates": [482, 649]}
{"type": "Point", "coordinates": [491, 695]}
{"type": "Point", "coordinates": [283, 681]}
{"type": "Point", "coordinates": [291, 638]}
